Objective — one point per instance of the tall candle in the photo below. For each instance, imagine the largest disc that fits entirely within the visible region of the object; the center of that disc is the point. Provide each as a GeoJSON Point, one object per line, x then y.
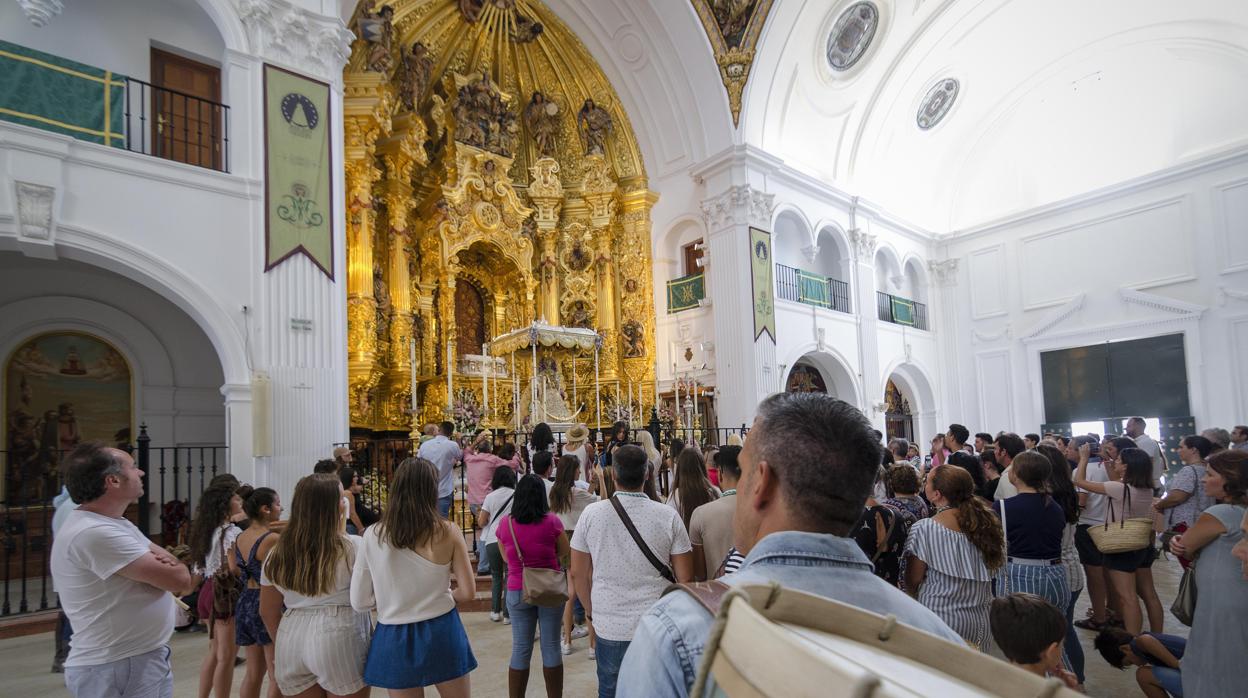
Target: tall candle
{"type": "Point", "coordinates": [485, 383]}
{"type": "Point", "coordinates": [450, 375]}
{"type": "Point", "coordinates": [597, 389]}
{"type": "Point", "coordinates": [411, 350]}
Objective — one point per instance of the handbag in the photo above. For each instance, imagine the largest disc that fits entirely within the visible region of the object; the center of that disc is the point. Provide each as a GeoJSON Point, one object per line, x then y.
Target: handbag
{"type": "Point", "coordinates": [542, 586]}
{"type": "Point", "coordinates": [225, 587]}
{"type": "Point", "coordinates": [1184, 606]}
{"type": "Point", "coordinates": [663, 570]}
{"type": "Point", "coordinates": [1003, 578]}
{"type": "Point", "coordinates": [1128, 535]}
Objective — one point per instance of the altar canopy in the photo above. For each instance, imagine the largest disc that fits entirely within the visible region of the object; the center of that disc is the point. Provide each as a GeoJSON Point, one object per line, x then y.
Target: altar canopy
{"type": "Point", "coordinates": [495, 188]}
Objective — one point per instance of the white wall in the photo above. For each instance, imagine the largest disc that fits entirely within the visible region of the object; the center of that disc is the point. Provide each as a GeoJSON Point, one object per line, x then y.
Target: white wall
{"type": "Point", "coordinates": [1158, 255]}
{"type": "Point", "coordinates": [119, 36]}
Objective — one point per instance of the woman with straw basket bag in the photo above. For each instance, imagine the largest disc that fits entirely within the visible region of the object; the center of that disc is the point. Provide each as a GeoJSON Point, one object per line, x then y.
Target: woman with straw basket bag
{"type": "Point", "coordinates": [1126, 538]}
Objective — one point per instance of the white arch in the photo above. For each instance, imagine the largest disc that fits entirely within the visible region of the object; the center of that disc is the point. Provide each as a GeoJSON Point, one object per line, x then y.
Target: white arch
{"type": "Point", "coordinates": [887, 265]}
{"type": "Point", "coordinates": [842, 380]}
{"type": "Point", "coordinates": [914, 379]}
{"type": "Point", "coordinates": [112, 253]}
{"type": "Point", "coordinates": [225, 16]}
{"type": "Point", "coordinates": [792, 236]}
{"type": "Point", "coordinates": [915, 271]}
{"type": "Point", "coordinates": [680, 232]}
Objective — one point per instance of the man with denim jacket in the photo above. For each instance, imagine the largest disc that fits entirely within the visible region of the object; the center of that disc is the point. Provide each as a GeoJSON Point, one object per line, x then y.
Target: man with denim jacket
{"type": "Point", "coordinates": [806, 470]}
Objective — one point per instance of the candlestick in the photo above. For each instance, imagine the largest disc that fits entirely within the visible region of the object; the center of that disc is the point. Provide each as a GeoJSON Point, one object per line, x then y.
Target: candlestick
{"type": "Point", "coordinates": [411, 351]}
{"type": "Point", "coordinates": [597, 389]}
{"type": "Point", "coordinates": [450, 375]}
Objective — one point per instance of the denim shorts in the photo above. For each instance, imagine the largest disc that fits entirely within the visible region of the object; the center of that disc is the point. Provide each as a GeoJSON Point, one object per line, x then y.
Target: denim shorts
{"type": "Point", "coordinates": [419, 654]}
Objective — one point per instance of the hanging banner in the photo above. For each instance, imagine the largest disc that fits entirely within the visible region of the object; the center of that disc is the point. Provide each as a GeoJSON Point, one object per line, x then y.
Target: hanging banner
{"type": "Point", "coordinates": [760, 268]}
{"type": "Point", "coordinates": [299, 193]}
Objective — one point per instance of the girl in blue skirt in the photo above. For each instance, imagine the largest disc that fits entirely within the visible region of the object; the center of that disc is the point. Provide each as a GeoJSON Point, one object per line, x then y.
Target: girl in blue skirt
{"type": "Point", "coordinates": [403, 570]}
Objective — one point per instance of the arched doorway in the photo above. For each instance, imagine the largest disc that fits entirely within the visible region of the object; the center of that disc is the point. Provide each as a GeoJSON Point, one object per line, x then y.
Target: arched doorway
{"type": "Point", "coordinates": [821, 371]}
{"type": "Point", "coordinates": [898, 413]}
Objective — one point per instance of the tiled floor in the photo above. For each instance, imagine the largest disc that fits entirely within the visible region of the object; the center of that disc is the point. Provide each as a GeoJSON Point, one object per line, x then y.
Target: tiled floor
{"type": "Point", "coordinates": [24, 661]}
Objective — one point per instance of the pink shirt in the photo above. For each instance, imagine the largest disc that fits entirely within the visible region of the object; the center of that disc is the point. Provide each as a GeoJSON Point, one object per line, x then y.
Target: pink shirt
{"type": "Point", "coordinates": [537, 540]}
{"type": "Point", "coordinates": [481, 468]}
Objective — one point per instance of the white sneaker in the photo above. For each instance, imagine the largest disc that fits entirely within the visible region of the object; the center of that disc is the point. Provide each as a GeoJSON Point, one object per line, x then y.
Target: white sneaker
{"type": "Point", "coordinates": [495, 617]}
{"type": "Point", "coordinates": [565, 647]}
{"type": "Point", "coordinates": [579, 631]}
{"type": "Point", "coordinates": [506, 620]}
{"type": "Point", "coordinates": [593, 656]}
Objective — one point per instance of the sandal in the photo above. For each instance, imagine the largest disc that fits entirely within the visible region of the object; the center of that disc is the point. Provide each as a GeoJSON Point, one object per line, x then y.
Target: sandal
{"type": "Point", "coordinates": [1089, 624]}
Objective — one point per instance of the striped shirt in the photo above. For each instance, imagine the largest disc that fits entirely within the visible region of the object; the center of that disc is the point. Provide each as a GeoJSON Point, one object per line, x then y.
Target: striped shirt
{"type": "Point", "coordinates": [732, 563]}
{"type": "Point", "coordinates": [958, 585]}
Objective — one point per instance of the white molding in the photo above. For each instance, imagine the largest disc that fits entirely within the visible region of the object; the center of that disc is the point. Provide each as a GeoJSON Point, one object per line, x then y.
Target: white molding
{"type": "Point", "coordinates": [1239, 395]}
{"type": "Point", "coordinates": [1163, 303]}
{"type": "Point", "coordinates": [1041, 328]}
{"type": "Point", "coordinates": [1182, 200]}
{"type": "Point", "coordinates": [985, 419]}
{"type": "Point", "coordinates": [1224, 237]}
{"type": "Point", "coordinates": [978, 337]}
{"type": "Point", "coordinates": [1224, 293]}
{"type": "Point", "coordinates": [1232, 156]}
{"type": "Point", "coordinates": [1000, 290]}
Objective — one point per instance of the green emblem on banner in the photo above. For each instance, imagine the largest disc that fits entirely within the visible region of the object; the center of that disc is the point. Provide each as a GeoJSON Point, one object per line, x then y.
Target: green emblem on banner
{"type": "Point", "coordinates": [685, 293]}
{"type": "Point", "coordinates": [760, 268]}
{"type": "Point", "coordinates": [298, 170]}
{"type": "Point", "coordinates": [903, 311]}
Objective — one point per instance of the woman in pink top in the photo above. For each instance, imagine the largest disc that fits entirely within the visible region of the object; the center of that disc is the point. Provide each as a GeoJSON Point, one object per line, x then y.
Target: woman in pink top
{"type": "Point", "coordinates": [541, 538]}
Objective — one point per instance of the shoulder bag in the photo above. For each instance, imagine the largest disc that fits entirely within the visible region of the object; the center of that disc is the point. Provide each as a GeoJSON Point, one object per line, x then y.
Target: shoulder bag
{"type": "Point", "coordinates": [1184, 606]}
{"type": "Point", "coordinates": [542, 586]}
{"type": "Point", "coordinates": [663, 570]}
{"type": "Point", "coordinates": [1127, 535]}
{"type": "Point", "coordinates": [225, 587]}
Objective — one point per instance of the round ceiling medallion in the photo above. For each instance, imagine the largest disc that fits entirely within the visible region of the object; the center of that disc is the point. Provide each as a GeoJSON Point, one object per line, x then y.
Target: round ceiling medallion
{"type": "Point", "coordinates": [937, 102]}
{"type": "Point", "coordinates": [852, 34]}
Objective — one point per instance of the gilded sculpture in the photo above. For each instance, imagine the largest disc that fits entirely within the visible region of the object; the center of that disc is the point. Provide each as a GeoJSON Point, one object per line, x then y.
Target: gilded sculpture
{"type": "Point", "coordinates": [463, 175]}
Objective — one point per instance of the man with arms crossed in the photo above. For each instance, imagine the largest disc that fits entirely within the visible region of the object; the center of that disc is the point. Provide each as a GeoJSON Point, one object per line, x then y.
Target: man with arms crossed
{"type": "Point", "coordinates": [115, 585]}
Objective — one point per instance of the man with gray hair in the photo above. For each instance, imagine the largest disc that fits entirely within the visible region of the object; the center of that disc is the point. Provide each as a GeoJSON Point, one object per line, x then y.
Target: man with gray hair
{"type": "Point", "coordinates": [898, 447]}
{"type": "Point", "coordinates": [115, 585]}
{"type": "Point", "coordinates": [1220, 437]}
{"type": "Point", "coordinates": [1144, 442]}
{"type": "Point", "coordinates": [806, 472]}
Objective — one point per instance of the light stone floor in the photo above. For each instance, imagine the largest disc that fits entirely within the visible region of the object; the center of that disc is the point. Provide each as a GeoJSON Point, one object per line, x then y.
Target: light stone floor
{"type": "Point", "coordinates": [24, 661]}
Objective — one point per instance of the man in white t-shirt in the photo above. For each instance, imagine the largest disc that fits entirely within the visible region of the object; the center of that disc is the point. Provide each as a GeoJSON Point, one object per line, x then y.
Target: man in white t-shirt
{"type": "Point", "coordinates": [114, 583]}
{"type": "Point", "coordinates": [614, 579]}
{"type": "Point", "coordinates": [1144, 442]}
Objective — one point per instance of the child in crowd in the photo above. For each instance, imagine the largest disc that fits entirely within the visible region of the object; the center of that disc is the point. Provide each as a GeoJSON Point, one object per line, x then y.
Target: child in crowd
{"type": "Point", "coordinates": [1030, 630]}
{"type": "Point", "coordinates": [1157, 655]}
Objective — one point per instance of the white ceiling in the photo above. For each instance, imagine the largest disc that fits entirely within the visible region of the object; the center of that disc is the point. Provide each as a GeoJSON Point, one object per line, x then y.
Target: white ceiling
{"type": "Point", "coordinates": [1058, 98]}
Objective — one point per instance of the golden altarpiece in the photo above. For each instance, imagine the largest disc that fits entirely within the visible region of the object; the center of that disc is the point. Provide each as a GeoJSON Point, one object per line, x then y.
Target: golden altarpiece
{"type": "Point", "coordinates": [493, 184]}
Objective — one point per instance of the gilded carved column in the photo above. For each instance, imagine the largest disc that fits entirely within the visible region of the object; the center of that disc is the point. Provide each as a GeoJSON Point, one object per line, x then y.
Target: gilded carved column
{"type": "Point", "coordinates": [366, 117]}
{"type": "Point", "coordinates": [636, 291]}
{"type": "Point", "coordinates": [546, 193]}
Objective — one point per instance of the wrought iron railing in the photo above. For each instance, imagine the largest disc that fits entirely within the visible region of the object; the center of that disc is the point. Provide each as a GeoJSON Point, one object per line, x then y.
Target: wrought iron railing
{"type": "Point", "coordinates": [901, 311]}
{"type": "Point", "coordinates": [174, 477]}
{"type": "Point", "coordinates": [177, 126]}
{"type": "Point", "coordinates": [793, 284]}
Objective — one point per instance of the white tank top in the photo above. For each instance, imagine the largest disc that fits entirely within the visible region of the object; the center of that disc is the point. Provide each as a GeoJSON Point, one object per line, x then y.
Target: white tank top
{"type": "Point", "coordinates": [403, 586]}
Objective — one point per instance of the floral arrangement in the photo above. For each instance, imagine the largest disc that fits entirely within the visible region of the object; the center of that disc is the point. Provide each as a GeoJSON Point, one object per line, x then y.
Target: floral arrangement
{"type": "Point", "coordinates": [617, 411]}
{"type": "Point", "coordinates": [466, 411]}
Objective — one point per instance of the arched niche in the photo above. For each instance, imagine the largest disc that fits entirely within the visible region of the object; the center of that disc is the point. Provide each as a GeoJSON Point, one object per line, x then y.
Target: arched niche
{"type": "Point", "coordinates": [792, 239]}
{"type": "Point", "coordinates": [837, 378]}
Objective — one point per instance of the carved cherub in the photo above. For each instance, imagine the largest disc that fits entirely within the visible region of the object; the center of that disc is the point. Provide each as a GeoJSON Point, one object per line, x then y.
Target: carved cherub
{"type": "Point", "coordinates": [471, 9]}
{"type": "Point", "coordinates": [376, 28]}
{"type": "Point", "coordinates": [415, 69]}
{"type": "Point", "coordinates": [526, 30]}
{"type": "Point", "coordinates": [595, 125]}
{"type": "Point", "coordinates": [542, 119]}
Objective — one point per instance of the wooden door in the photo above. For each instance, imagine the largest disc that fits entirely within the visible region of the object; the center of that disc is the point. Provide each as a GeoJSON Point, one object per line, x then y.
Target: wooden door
{"type": "Point", "coordinates": [188, 121]}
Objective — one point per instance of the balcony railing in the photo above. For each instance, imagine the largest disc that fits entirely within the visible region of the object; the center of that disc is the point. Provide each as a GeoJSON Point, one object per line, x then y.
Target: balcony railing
{"type": "Point", "coordinates": [821, 291]}
{"type": "Point", "coordinates": [686, 292]}
{"type": "Point", "coordinates": [177, 126]}
{"type": "Point", "coordinates": [56, 94]}
{"type": "Point", "coordinates": [901, 311]}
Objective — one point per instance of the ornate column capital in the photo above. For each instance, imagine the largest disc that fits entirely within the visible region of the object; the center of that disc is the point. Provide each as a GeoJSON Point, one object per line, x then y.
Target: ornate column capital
{"type": "Point", "coordinates": [286, 33]}
{"type": "Point", "coordinates": [862, 245]}
{"type": "Point", "coordinates": [810, 252]}
{"type": "Point", "coordinates": [740, 205]}
{"type": "Point", "coordinates": [944, 271]}
{"type": "Point", "coordinates": [39, 12]}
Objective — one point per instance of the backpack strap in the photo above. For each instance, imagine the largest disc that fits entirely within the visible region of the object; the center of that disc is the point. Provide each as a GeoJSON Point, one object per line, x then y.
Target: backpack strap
{"type": "Point", "coordinates": [710, 595]}
{"type": "Point", "coordinates": [664, 570]}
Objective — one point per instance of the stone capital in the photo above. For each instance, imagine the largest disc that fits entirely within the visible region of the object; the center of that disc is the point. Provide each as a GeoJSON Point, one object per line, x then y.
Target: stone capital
{"type": "Point", "coordinates": [740, 205]}
{"type": "Point", "coordinates": [944, 271]}
{"type": "Point", "coordinates": [862, 245]}
{"type": "Point", "coordinates": [286, 33]}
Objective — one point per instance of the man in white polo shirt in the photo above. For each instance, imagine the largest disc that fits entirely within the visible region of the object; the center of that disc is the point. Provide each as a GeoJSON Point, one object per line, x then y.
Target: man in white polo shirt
{"type": "Point", "coordinates": [1144, 442]}
{"type": "Point", "coordinates": [114, 583]}
{"type": "Point", "coordinates": [614, 577]}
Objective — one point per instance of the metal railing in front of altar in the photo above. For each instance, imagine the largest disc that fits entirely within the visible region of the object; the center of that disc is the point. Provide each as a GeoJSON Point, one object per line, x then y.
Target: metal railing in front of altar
{"type": "Point", "coordinates": [793, 284]}
{"type": "Point", "coordinates": [377, 459]}
{"type": "Point", "coordinates": [174, 477]}
{"type": "Point", "coordinates": [901, 311]}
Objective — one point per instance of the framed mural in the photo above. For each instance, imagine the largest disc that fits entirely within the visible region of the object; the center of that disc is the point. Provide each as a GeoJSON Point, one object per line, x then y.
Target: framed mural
{"type": "Point", "coordinates": [806, 379]}
{"type": "Point", "coordinates": [60, 389]}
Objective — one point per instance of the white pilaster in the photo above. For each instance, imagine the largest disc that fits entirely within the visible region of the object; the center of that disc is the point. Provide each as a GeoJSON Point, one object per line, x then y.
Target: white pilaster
{"type": "Point", "coordinates": [944, 275]}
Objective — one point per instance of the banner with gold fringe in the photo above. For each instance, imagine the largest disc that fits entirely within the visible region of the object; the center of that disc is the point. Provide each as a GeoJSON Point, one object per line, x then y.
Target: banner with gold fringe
{"type": "Point", "coordinates": [298, 170]}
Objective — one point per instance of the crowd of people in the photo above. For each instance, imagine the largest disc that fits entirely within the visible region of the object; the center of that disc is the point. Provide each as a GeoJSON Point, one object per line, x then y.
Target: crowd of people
{"type": "Point", "coordinates": [986, 542]}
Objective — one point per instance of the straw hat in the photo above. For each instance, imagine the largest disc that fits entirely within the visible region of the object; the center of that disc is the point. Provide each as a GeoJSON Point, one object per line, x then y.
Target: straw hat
{"type": "Point", "coordinates": [577, 435]}
{"type": "Point", "coordinates": [340, 452]}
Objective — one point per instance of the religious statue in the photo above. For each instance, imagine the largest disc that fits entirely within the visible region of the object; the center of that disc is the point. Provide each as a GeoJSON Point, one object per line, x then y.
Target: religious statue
{"type": "Point", "coordinates": [377, 30]}
{"type": "Point", "coordinates": [483, 118]}
{"type": "Point", "coordinates": [415, 69]}
{"type": "Point", "coordinates": [542, 119]}
{"type": "Point", "coordinates": [594, 123]}
{"type": "Point", "coordinates": [382, 295]}
{"type": "Point", "coordinates": [471, 10]}
{"type": "Point", "coordinates": [526, 30]}
{"type": "Point", "coordinates": [634, 339]}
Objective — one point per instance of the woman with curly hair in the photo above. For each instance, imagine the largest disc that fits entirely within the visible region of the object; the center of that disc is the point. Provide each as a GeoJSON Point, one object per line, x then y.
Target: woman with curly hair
{"type": "Point", "coordinates": [951, 557]}
{"type": "Point", "coordinates": [211, 537]}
